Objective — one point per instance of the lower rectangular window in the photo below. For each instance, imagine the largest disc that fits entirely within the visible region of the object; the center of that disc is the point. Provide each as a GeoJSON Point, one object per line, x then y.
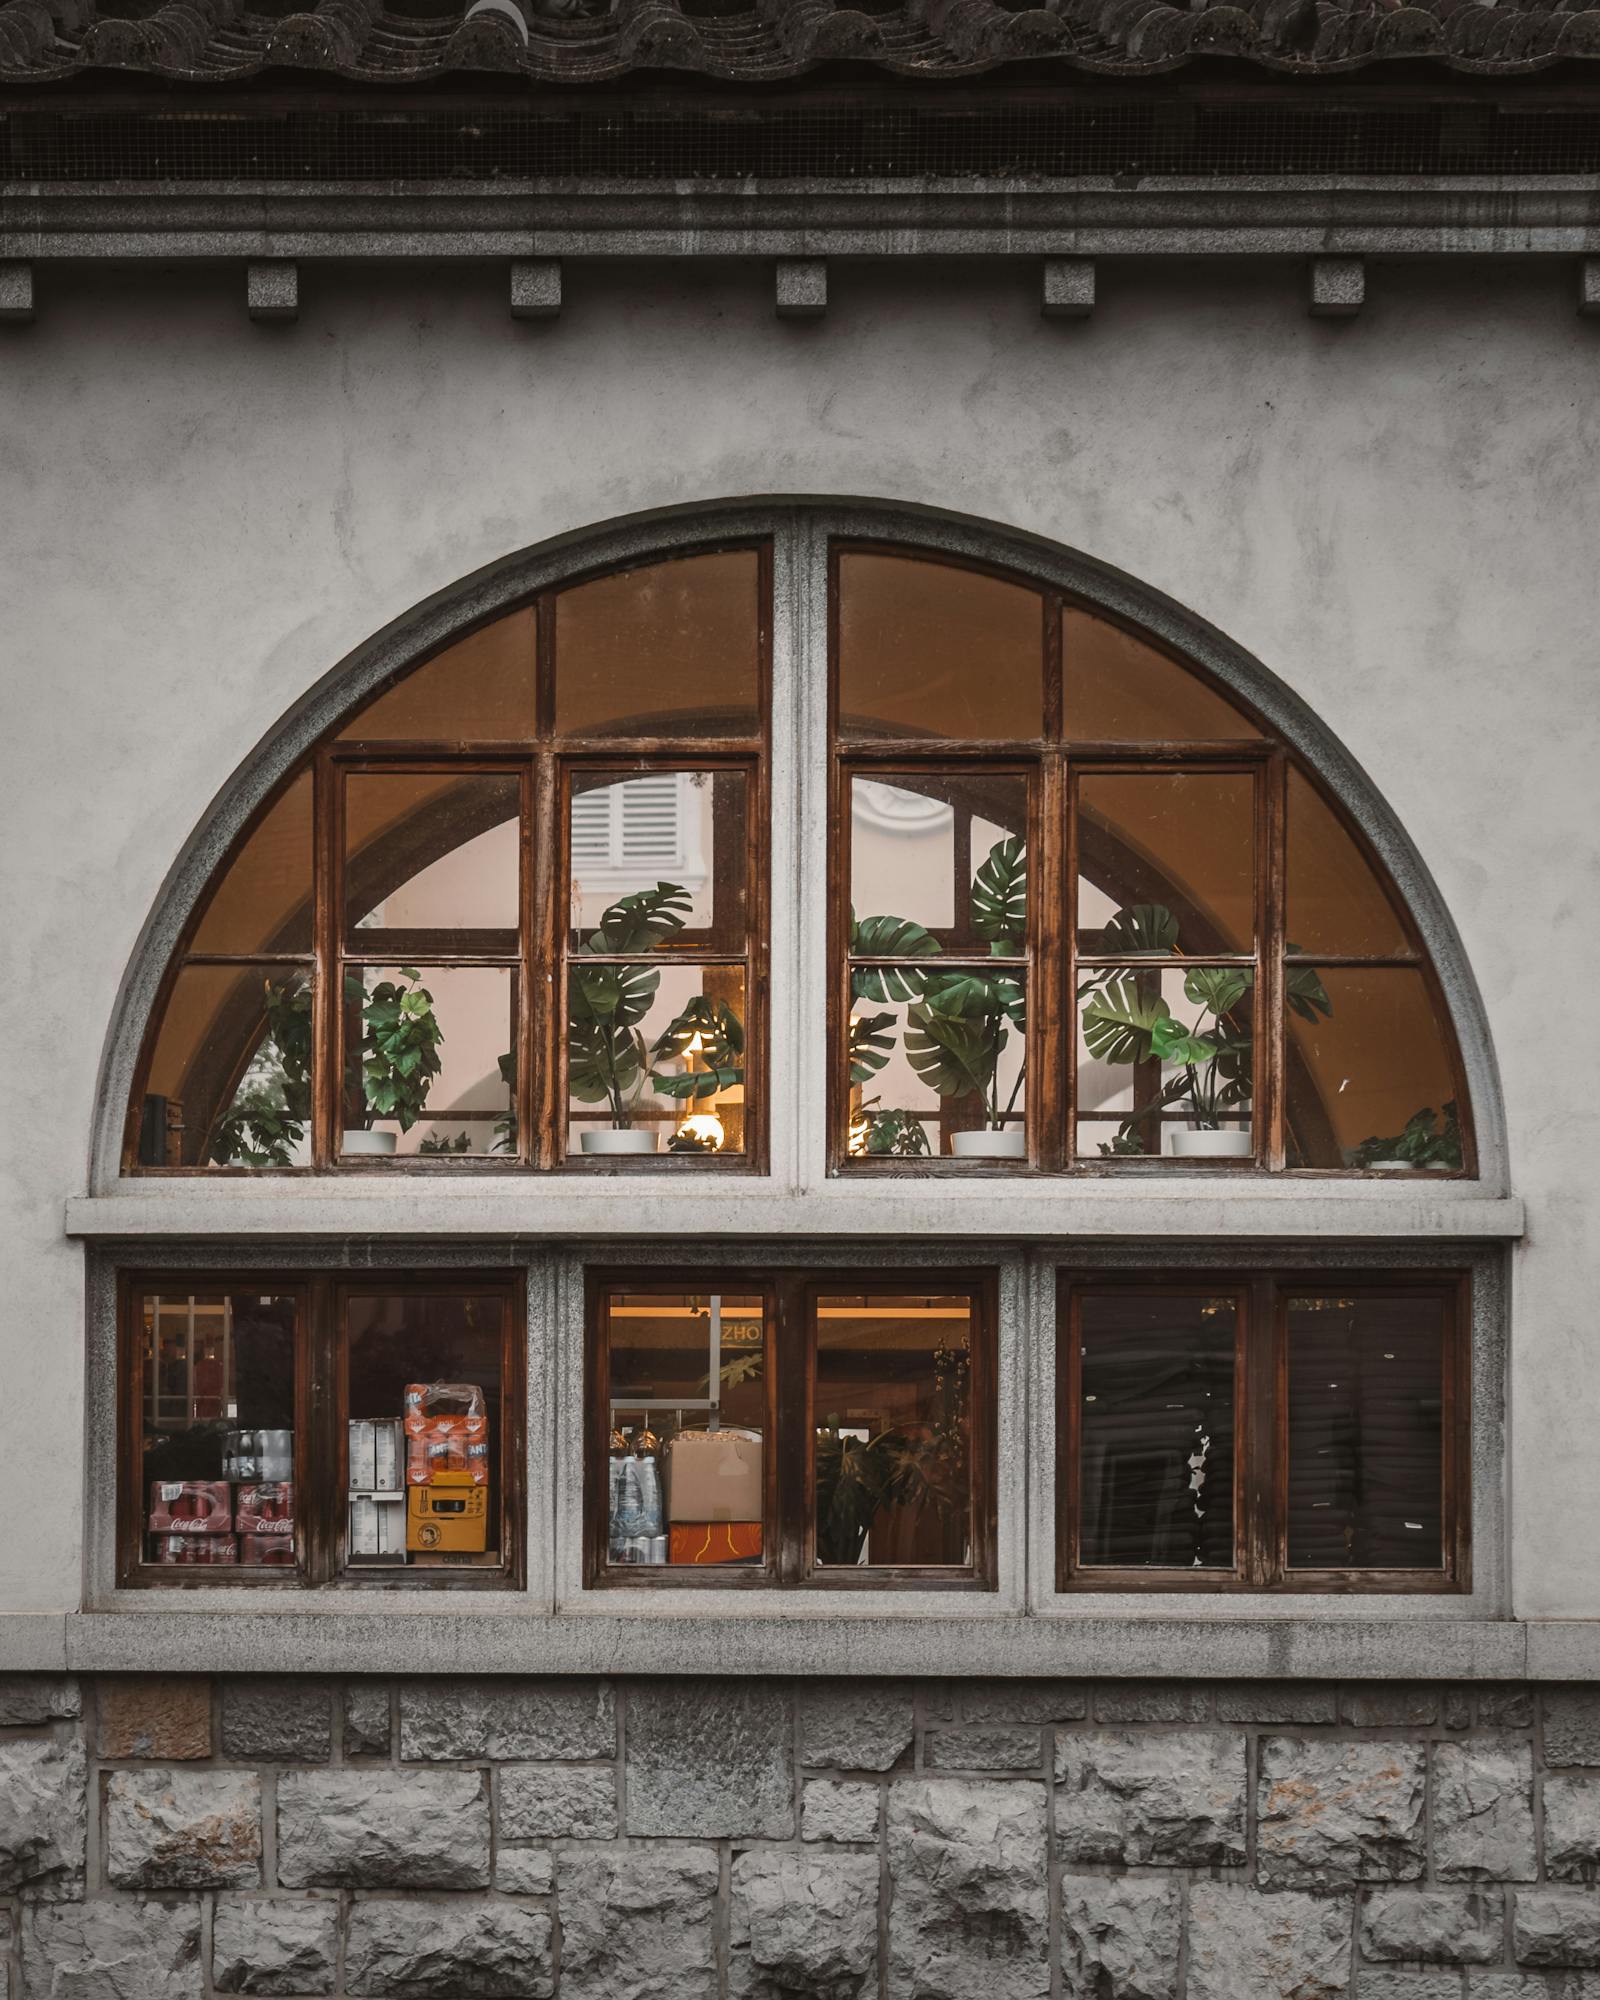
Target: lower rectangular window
{"type": "Point", "coordinates": [791, 1429]}
{"type": "Point", "coordinates": [1264, 1432]}
{"type": "Point", "coordinates": [321, 1431]}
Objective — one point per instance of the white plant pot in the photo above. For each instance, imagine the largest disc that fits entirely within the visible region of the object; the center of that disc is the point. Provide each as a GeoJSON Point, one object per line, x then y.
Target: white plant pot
{"type": "Point", "coordinates": [358, 1141]}
{"type": "Point", "coordinates": [1009, 1144]}
{"type": "Point", "coordinates": [1188, 1144]}
{"type": "Point", "coordinates": [608, 1141]}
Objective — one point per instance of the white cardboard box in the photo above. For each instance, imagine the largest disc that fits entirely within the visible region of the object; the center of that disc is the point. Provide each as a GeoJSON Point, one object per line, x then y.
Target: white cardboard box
{"type": "Point", "coordinates": [378, 1525]}
{"type": "Point", "coordinates": [377, 1455]}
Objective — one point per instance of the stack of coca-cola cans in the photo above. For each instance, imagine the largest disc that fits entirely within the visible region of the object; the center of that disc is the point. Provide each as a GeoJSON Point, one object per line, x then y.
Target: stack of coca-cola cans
{"type": "Point", "coordinates": [191, 1521]}
{"type": "Point", "coordinates": [263, 1515]}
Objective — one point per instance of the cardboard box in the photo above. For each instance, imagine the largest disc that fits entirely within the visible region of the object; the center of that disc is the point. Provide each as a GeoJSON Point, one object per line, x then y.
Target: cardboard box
{"type": "Point", "coordinates": [714, 1476]}
{"type": "Point", "coordinates": [378, 1527]}
{"type": "Point", "coordinates": [450, 1514]}
{"type": "Point", "coordinates": [714, 1542]}
{"type": "Point", "coordinates": [197, 1549]}
{"type": "Point", "coordinates": [264, 1510]}
{"type": "Point", "coordinates": [269, 1551]}
{"type": "Point", "coordinates": [375, 1455]}
{"type": "Point", "coordinates": [191, 1507]}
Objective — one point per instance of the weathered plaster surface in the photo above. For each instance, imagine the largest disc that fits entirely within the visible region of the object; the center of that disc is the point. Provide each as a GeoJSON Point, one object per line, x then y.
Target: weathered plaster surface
{"type": "Point", "coordinates": [202, 517]}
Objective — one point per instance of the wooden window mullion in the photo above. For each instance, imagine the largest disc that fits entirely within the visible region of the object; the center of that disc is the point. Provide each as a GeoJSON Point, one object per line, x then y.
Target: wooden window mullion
{"type": "Point", "coordinates": [1258, 1433]}
{"type": "Point", "coordinates": [792, 1340]}
{"type": "Point", "coordinates": [1052, 1040]}
{"type": "Point", "coordinates": [1269, 1015]}
{"type": "Point", "coordinates": [545, 1008]}
{"type": "Point", "coordinates": [327, 1000]}
{"type": "Point", "coordinates": [320, 1498]}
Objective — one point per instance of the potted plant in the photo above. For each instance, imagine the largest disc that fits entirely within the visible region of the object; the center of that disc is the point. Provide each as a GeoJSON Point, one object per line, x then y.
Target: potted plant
{"type": "Point", "coordinates": [1424, 1145]}
{"type": "Point", "coordinates": [1126, 1020]}
{"type": "Point", "coordinates": [698, 1054]}
{"type": "Point", "coordinates": [398, 1059]}
{"type": "Point", "coordinates": [959, 1021]}
{"type": "Point", "coordinates": [267, 1118]}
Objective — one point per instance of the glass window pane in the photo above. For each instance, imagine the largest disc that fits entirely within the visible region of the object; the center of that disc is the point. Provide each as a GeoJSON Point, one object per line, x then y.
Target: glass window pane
{"type": "Point", "coordinates": [928, 650]}
{"type": "Point", "coordinates": [670, 650]}
{"type": "Point", "coordinates": [480, 690]}
{"type": "Point", "coordinates": [945, 853]}
{"type": "Point", "coordinates": [1336, 901]}
{"type": "Point", "coordinates": [1155, 1477]}
{"type": "Point", "coordinates": [436, 1066]}
{"type": "Point", "coordinates": [655, 1058]}
{"type": "Point", "coordinates": [686, 1428]}
{"type": "Point", "coordinates": [1366, 1432]}
{"type": "Point", "coordinates": [230, 1072]}
{"type": "Point", "coordinates": [261, 905]}
{"type": "Point", "coordinates": [217, 1423]}
{"type": "Point", "coordinates": [1166, 862]}
{"type": "Point", "coordinates": [1118, 689]}
{"type": "Point", "coordinates": [892, 1398]}
{"type": "Point", "coordinates": [651, 831]}
{"type": "Point", "coordinates": [938, 1064]}
{"type": "Point", "coordinates": [1165, 1061]}
{"type": "Point", "coordinates": [1368, 1080]}
{"type": "Point", "coordinates": [425, 1397]}
{"type": "Point", "coordinates": [432, 851]}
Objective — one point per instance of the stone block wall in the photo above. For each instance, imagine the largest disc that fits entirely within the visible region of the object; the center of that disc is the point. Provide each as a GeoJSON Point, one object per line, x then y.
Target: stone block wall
{"type": "Point", "coordinates": [424, 1839]}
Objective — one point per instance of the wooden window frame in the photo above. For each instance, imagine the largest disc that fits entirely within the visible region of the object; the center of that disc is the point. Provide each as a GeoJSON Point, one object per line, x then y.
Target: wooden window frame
{"type": "Point", "coordinates": [789, 1296]}
{"type": "Point", "coordinates": [321, 1447]}
{"type": "Point", "coordinates": [1261, 1433]}
{"type": "Point", "coordinates": [541, 760]}
{"type": "Point", "coordinates": [1055, 765]}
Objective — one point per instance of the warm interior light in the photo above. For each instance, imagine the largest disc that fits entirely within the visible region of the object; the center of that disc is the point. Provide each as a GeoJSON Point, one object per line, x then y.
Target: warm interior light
{"type": "Point", "coordinates": [706, 1126]}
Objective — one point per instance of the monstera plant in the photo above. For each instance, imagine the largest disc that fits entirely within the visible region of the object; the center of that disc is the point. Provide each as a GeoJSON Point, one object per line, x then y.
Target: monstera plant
{"type": "Point", "coordinates": [1126, 1020]}
{"type": "Point", "coordinates": [608, 1059]}
{"type": "Point", "coordinates": [959, 1020]}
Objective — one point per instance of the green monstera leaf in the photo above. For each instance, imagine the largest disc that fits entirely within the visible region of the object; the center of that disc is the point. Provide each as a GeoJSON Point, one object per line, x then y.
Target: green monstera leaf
{"type": "Point", "coordinates": [871, 1045]}
{"type": "Point", "coordinates": [1119, 1021]}
{"type": "Point", "coordinates": [889, 937]}
{"type": "Point", "coordinates": [953, 1054]}
{"type": "Point", "coordinates": [1171, 1041]}
{"type": "Point", "coordinates": [716, 1034]}
{"type": "Point", "coordinates": [1000, 898]}
{"type": "Point", "coordinates": [643, 920]}
{"type": "Point", "coordinates": [1140, 929]}
{"type": "Point", "coordinates": [1304, 991]}
{"type": "Point", "coordinates": [1219, 988]}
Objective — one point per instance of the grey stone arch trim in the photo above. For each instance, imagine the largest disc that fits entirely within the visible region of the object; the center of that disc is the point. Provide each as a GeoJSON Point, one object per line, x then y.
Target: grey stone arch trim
{"type": "Point", "coordinates": [801, 526]}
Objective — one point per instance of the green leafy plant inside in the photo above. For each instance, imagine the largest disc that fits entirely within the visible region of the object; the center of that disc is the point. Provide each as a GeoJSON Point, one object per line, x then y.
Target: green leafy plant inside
{"type": "Point", "coordinates": [267, 1117]}
{"type": "Point", "coordinates": [958, 1021]}
{"type": "Point", "coordinates": [1430, 1139]}
{"type": "Point", "coordinates": [1126, 1020]}
{"type": "Point", "coordinates": [399, 1055]}
{"type": "Point", "coordinates": [917, 1467]}
{"type": "Point", "coordinates": [608, 1059]}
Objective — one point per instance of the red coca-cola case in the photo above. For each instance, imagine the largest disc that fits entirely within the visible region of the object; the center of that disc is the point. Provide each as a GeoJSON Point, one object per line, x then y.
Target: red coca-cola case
{"type": "Point", "coordinates": [270, 1551]}
{"type": "Point", "coordinates": [196, 1549]}
{"type": "Point", "coordinates": [265, 1509]}
{"type": "Point", "coordinates": [191, 1507]}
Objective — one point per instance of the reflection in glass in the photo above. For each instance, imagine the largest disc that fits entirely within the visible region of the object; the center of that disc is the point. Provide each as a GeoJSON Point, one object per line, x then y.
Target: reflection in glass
{"type": "Point", "coordinates": [1165, 1060]}
{"type": "Point", "coordinates": [1156, 1431]}
{"type": "Point", "coordinates": [686, 1425]}
{"type": "Point", "coordinates": [942, 853]}
{"type": "Point", "coordinates": [1177, 847]}
{"type": "Point", "coordinates": [425, 1368]}
{"type": "Point", "coordinates": [432, 851]}
{"type": "Point", "coordinates": [261, 904]}
{"type": "Point", "coordinates": [1366, 1435]}
{"type": "Point", "coordinates": [1368, 1082]}
{"type": "Point", "coordinates": [435, 1070]}
{"type": "Point", "coordinates": [655, 1058]}
{"type": "Point", "coordinates": [217, 1420]}
{"type": "Point", "coordinates": [930, 650]}
{"type": "Point", "coordinates": [892, 1400]}
{"type": "Point", "coordinates": [938, 1062]}
{"type": "Point", "coordinates": [637, 833]}
{"type": "Point", "coordinates": [1336, 902]}
{"type": "Point", "coordinates": [480, 690]}
{"type": "Point", "coordinates": [230, 1072]}
{"type": "Point", "coordinates": [669, 650]}
{"type": "Point", "coordinates": [1119, 689]}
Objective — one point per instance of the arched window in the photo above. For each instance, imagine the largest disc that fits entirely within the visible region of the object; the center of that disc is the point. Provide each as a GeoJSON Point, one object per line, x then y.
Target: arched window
{"type": "Point", "coordinates": [1091, 913]}
{"type": "Point", "coordinates": [504, 914]}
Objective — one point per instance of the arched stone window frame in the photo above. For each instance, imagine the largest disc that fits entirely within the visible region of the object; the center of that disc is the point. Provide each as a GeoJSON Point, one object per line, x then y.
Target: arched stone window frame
{"type": "Point", "coordinates": [801, 533]}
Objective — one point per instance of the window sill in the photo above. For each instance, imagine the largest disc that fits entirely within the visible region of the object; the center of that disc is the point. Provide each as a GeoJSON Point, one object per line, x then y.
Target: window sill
{"type": "Point", "coordinates": [1039, 1211]}
{"type": "Point", "coordinates": [506, 1639]}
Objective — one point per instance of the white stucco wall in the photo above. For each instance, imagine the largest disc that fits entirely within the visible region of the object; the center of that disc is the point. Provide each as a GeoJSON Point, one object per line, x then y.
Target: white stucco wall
{"type": "Point", "coordinates": [200, 516]}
